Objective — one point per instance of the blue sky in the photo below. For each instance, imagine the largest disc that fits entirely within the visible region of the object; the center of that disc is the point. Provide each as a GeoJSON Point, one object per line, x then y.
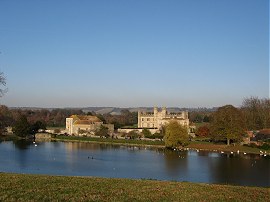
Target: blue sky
{"type": "Point", "coordinates": [130, 53]}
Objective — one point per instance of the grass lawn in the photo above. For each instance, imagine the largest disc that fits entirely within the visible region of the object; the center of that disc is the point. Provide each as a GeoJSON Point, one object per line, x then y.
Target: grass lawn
{"type": "Point", "coordinates": [110, 140]}
{"type": "Point", "coordinates": [223, 147]}
{"type": "Point", "coordinates": [20, 187]}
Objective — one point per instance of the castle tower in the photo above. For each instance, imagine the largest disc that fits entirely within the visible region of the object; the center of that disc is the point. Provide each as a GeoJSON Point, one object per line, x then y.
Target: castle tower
{"type": "Point", "coordinates": [69, 125]}
{"type": "Point", "coordinates": [139, 119]}
{"type": "Point", "coordinates": [155, 111]}
{"type": "Point", "coordinates": [163, 112]}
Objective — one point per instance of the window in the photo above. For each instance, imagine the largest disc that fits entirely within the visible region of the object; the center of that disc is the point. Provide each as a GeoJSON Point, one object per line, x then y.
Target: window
{"type": "Point", "coordinates": [148, 119]}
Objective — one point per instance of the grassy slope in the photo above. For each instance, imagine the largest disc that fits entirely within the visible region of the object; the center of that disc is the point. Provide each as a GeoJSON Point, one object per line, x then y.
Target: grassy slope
{"type": "Point", "coordinates": [19, 187]}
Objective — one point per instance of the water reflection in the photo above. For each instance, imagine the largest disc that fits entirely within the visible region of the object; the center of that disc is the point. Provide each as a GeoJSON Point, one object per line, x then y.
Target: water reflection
{"type": "Point", "coordinates": [22, 144]}
{"type": "Point", "coordinates": [87, 159]}
{"type": "Point", "coordinates": [175, 162]}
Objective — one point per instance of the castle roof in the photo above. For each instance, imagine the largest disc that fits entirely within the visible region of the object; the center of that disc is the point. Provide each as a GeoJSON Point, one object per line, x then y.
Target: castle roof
{"type": "Point", "coordinates": [82, 119]}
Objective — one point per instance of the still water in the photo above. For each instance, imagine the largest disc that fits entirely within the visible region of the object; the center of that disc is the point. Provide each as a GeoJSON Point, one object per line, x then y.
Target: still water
{"type": "Point", "coordinates": [88, 159]}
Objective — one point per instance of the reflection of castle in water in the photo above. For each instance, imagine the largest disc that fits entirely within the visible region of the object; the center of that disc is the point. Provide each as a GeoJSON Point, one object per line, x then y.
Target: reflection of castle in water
{"type": "Point", "coordinates": [73, 146]}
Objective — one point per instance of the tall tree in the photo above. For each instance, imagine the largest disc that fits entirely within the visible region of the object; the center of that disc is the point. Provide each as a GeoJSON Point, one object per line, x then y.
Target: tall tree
{"type": "Point", "coordinates": [22, 127]}
{"type": "Point", "coordinates": [256, 113]}
{"type": "Point", "coordinates": [2, 83]}
{"type": "Point", "coordinates": [227, 124]}
{"type": "Point", "coordinates": [175, 135]}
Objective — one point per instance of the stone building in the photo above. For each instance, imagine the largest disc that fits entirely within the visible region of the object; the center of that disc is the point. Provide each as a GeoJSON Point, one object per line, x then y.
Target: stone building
{"type": "Point", "coordinates": [79, 123]}
{"type": "Point", "coordinates": [158, 118]}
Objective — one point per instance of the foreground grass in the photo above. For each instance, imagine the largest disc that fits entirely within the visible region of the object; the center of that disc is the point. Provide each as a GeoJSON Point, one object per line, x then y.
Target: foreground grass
{"type": "Point", "coordinates": [20, 187]}
{"type": "Point", "coordinates": [110, 140]}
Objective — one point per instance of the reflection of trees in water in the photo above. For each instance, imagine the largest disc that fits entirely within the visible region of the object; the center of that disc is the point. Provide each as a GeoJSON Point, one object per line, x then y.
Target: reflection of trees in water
{"type": "Point", "coordinates": [203, 153]}
{"type": "Point", "coordinates": [234, 169]}
{"type": "Point", "coordinates": [56, 143]}
{"type": "Point", "coordinates": [175, 163]}
{"type": "Point", "coordinates": [22, 152]}
{"type": "Point", "coordinates": [22, 144]}
{"type": "Point", "coordinates": [89, 146]}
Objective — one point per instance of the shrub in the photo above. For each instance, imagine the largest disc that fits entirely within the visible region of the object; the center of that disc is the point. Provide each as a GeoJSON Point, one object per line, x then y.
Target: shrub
{"type": "Point", "coordinates": [265, 146]}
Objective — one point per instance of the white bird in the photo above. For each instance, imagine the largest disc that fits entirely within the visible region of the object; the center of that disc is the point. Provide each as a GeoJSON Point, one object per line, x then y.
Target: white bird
{"type": "Point", "coordinates": [222, 152]}
{"type": "Point", "coordinates": [197, 150]}
{"type": "Point", "coordinates": [34, 142]}
{"type": "Point", "coordinates": [264, 155]}
{"type": "Point", "coordinates": [237, 151]}
{"type": "Point", "coordinates": [231, 152]}
{"type": "Point", "coordinates": [245, 153]}
{"type": "Point", "coordinates": [35, 145]}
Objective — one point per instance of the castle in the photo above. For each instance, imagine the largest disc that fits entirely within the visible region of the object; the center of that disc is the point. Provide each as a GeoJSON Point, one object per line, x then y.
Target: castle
{"type": "Point", "coordinates": [76, 124]}
{"type": "Point", "coordinates": [157, 119]}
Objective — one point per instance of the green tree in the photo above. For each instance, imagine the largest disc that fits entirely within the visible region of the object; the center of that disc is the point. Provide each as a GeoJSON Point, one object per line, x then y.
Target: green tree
{"type": "Point", "coordinates": [133, 135]}
{"type": "Point", "coordinates": [146, 132]}
{"type": "Point", "coordinates": [34, 128]}
{"type": "Point", "coordinates": [227, 124]}
{"type": "Point", "coordinates": [175, 135]}
{"type": "Point", "coordinates": [22, 127]}
{"type": "Point", "coordinates": [102, 131]}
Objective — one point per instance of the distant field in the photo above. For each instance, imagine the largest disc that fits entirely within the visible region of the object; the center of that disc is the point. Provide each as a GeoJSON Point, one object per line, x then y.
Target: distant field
{"type": "Point", "coordinates": [20, 187]}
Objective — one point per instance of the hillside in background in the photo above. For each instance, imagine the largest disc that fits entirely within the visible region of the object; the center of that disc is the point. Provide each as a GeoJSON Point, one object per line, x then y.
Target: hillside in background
{"type": "Point", "coordinates": [117, 110]}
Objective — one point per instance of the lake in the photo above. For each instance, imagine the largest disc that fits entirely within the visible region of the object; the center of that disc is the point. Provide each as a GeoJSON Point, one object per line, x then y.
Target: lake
{"type": "Point", "coordinates": [114, 161]}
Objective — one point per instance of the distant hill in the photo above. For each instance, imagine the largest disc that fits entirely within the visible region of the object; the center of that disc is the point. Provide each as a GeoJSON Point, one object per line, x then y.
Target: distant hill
{"type": "Point", "coordinates": [117, 110]}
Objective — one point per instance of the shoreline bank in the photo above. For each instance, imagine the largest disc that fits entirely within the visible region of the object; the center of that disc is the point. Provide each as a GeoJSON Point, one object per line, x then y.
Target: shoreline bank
{"type": "Point", "coordinates": [192, 146]}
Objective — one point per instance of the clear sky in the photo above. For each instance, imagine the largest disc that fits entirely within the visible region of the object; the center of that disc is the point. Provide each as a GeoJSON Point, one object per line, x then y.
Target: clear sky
{"type": "Point", "coordinates": [130, 53]}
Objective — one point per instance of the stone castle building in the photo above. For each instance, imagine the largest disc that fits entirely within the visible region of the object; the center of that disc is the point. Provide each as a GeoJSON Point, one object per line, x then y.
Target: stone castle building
{"type": "Point", "coordinates": [158, 118]}
{"type": "Point", "coordinates": [80, 123]}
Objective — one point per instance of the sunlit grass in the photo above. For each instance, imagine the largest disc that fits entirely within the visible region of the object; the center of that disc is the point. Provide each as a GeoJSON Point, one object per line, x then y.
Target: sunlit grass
{"type": "Point", "coordinates": [111, 141]}
{"type": "Point", "coordinates": [19, 187]}
{"type": "Point", "coordinates": [223, 147]}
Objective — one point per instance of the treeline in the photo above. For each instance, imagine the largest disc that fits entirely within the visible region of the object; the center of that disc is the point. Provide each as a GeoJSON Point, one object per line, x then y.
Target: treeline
{"type": "Point", "coordinates": [200, 116]}
{"type": "Point", "coordinates": [126, 118]}
{"type": "Point", "coordinates": [46, 118]}
{"type": "Point", "coordinates": [57, 117]}
{"type": "Point", "coordinates": [254, 113]}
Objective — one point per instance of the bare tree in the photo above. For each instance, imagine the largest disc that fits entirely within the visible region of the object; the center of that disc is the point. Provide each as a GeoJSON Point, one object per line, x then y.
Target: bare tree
{"type": "Point", "coordinates": [256, 112]}
{"type": "Point", "coordinates": [2, 83]}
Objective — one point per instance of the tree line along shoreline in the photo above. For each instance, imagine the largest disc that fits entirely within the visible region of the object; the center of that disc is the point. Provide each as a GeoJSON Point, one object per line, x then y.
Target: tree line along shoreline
{"type": "Point", "coordinates": [226, 124]}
